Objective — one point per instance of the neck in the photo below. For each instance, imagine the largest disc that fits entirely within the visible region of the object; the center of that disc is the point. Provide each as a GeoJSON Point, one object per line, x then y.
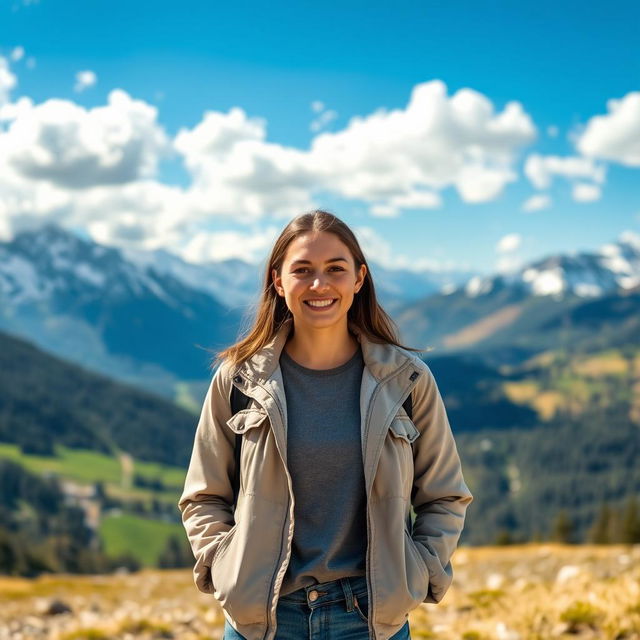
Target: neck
{"type": "Point", "coordinates": [325, 348]}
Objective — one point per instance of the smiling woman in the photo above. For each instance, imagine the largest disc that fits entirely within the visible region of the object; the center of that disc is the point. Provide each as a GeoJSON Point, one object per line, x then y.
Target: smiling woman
{"type": "Point", "coordinates": [343, 431]}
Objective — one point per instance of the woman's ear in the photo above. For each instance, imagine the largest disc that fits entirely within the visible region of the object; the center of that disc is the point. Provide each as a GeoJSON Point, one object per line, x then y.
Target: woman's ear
{"type": "Point", "coordinates": [277, 282]}
{"type": "Point", "coordinates": [362, 272]}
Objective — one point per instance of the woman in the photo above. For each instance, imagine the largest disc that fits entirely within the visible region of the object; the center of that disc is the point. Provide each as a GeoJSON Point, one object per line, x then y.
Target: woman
{"type": "Point", "coordinates": [321, 543]}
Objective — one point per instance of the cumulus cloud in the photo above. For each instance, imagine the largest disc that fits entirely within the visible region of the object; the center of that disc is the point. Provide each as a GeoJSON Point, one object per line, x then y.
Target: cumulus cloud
{"type": "Point", "coordinates": [616, 135]}
{"type": "Point", "coordinates": [84, 80]}
{"type": "Point", "coordinates": [17, 53]}
{"type": "Point", "coordinates": [7, 81]}
{"type": "Point", "coordinates": [95, 168]}
{"type": "Point", "coordinates": [585, 192]}
{"type": "Point", "coordinates": [412, 200]}
{"type": "Point", "coordinates": [78, 148]}
{"type": "Point", "coordinates": [508, 260]}
{"type": "Point", "coordinates": [541, 170]}
{"type": "Point", "coordinates": [537, 202]}
{"type": "Point", "coordinates": [509, 243]}
{"type": "Point", "coordinates": [435, 142]}
{"type": "Point", "coordinates": [236, 172]}
{"type": "Point", "coordinates": [207, 246]}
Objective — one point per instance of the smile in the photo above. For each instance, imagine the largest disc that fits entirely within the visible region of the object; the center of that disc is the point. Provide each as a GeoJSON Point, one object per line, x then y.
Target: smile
{"type": "Point", "coordinates": [320, 304]}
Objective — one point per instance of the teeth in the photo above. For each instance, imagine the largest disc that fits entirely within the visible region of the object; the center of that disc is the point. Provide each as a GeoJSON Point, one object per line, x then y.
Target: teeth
{"type": "Point", "coordinates": [314, 303]}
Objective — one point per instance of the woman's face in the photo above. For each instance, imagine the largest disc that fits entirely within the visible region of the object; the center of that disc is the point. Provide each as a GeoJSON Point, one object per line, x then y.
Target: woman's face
{"type": "Point", "coordinates": [318, 268]}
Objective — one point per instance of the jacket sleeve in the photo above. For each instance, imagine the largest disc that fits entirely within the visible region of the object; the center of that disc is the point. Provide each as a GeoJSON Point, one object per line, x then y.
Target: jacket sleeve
{"type": "Point", "coordinates": [205, 503]}
{"type": "Point", "coordinates": [439, 495]}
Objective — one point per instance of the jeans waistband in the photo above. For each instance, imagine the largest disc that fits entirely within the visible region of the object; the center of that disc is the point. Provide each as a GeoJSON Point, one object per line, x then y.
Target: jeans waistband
{"type": "Point", "coordinates": [316, 595]}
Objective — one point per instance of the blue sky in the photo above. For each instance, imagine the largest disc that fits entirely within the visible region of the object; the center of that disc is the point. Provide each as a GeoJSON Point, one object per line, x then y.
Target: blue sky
{"type": "Point", "coordinates": [486, 186]}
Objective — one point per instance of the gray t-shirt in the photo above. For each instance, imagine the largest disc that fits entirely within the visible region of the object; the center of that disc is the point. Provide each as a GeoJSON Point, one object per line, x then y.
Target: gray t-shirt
{"type": "Point", "coordinates": [324, 457]}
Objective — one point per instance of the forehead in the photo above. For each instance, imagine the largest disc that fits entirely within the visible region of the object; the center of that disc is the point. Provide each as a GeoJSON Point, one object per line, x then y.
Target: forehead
{"type": "Point", "coordinates": [317, 245]}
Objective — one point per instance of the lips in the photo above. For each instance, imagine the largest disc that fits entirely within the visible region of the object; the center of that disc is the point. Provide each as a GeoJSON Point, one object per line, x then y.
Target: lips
{"type": "Point", "coordinates": [320, 307]}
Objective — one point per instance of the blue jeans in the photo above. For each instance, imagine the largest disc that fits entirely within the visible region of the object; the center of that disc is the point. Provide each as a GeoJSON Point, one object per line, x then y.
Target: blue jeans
{"type": "Point", "coordinates": [335, 610]}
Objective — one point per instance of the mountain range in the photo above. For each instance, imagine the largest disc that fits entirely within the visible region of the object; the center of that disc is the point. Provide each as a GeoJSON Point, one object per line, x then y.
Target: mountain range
{"type": "Point", "coordinates": [151, 319]}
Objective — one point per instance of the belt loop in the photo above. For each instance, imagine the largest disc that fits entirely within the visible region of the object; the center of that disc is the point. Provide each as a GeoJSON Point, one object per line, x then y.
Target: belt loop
{"type": "Point", "coordinates": [348, 594]}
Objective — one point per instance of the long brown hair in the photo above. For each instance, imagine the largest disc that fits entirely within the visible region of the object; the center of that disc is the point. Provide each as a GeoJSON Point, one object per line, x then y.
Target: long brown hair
{"type": "Point", "coordinates": [365, 311]}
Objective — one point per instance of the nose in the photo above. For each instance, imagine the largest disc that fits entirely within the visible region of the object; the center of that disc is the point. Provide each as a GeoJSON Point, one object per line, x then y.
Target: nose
{"type": "Point", "coordinates": [318, 283]}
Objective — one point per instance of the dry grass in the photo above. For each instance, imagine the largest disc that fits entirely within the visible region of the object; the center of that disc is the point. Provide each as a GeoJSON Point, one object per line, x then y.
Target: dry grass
{"type": "Point", "coordinates": [525, 592]}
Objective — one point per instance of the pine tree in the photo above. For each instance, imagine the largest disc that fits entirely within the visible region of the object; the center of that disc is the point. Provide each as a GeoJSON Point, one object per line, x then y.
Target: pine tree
{"type": "Point", "coordinates": [600, 531]}
{"type": "Point", "coordinates": [631, 522]}
{"type": "Point", "coordinates": [563, 528]}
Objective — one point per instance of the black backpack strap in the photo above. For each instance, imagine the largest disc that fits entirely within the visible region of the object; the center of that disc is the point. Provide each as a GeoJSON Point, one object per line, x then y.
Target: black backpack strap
{"type": "Point", "coordinates": [238, 402]}
{"type": "Point", "coordinates": [408, 406]}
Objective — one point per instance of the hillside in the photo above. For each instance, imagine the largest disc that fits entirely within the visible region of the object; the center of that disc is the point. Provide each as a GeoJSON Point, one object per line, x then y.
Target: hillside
{"type": "Point", "coordinates": [46, 401]}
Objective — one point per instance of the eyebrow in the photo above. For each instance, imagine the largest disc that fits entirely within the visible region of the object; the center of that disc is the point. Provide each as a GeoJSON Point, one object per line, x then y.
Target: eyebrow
{"type": "Point", "coordinates": [309, 261]}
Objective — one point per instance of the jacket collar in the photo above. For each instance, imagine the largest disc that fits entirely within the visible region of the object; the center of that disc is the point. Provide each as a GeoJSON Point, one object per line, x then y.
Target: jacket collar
{"type": "Point", "coordinates": [382, 359]}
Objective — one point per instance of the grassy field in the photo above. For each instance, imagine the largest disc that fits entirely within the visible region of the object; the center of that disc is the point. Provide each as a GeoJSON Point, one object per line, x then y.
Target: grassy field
{"type": "Point", "coordinates": [528, 592]}
{"type": "Point", "coordinates": [87, 467]}
{"type": "Point", "coordinates": [143, 538]}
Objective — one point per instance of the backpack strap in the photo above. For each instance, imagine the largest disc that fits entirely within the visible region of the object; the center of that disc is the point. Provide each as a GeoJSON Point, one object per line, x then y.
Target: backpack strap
{"type": "Point", "coordinates": [238, 402]}
{"type": "Point", "coordinates": [408, 406]}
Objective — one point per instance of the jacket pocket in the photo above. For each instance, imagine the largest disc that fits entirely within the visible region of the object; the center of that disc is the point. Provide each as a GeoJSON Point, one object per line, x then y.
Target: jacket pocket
{"type": "Point", "coordinates": [417, 554]}
{"type": "Point", "coordinates": [398, 462]}
{"type": "Point", "coordinates": [248, 423]}
{"type": "Point", "coordinates": [247, 419]}
{"type": "Point", "coordinates": [223, 543]}
{"type": "Point", "coordinates": [402, 427]}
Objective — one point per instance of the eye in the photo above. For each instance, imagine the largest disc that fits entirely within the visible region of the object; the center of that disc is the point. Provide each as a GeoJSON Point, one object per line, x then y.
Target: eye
{"type": "Point", "coordinates": [301, 269]}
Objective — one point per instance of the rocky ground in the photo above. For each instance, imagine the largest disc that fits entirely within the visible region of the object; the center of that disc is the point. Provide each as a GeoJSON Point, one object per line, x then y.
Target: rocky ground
{"type": "Point", "coordinates": [531, 592]}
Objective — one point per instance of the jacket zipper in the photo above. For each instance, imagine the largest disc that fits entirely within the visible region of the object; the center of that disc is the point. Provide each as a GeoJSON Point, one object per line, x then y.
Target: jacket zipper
{"type": "Point", "coordinates": [372, 633]}
{"type": "Point", "coordinates": [271, 608]}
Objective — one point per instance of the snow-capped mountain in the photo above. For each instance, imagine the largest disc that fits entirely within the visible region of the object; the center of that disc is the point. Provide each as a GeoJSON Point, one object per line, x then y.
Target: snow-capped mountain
{"type": "Point", "coordinates": [213, 278]}
{"type": "Point", "coordinates": [89, 304]}
{"type": "Point", "coordinates": [588, 275]}
{"type": "Point", "coordinates": [146, 317]}
{"type": "Point", "coordinates": [530, 307]}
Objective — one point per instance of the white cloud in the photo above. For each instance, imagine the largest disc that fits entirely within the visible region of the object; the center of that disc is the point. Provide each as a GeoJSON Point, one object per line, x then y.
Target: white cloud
{"type": "Point", "coordinates": [433, 143]}
{"type": "Point", "coordinates": [317, 106]}
{"type": "Point", "coordinates": [508, 259]}
{"type": "Point", "coordinates": [413, 200]}
{"type": "Point", "coordinates": [17, 53]}
{"type": "Point", "coordinates": [7, 81]}
{"type": "Point", "coordinates": [94, 168]}
{"type": "Point", "coordinates": [508, 263]}
{"type": "Point", "coordinates": [552, 131]}
{"type": "Point", "coordinates": [377, 249]}
{"type": "Point", "coordinates": [542, 169]}
{"type": "Point", "coordinates": [207, 246]}
{"type": "Point", "coordinates": [323, 120]}
{"type": "Point", "coordinates": [509, 243]}
{"type": "Point", "coordinates": [585, 192]}
{"type": "Point", "coordinates": [78, 148]}
{"type": "Point", "coordinates": [537, 202]}
{"type": "Point", "coordinates": [237, 173]}
{"type": "Point", "coordinates": [616, 135]}
{"type": "Point", "coordinates": [84, 80]}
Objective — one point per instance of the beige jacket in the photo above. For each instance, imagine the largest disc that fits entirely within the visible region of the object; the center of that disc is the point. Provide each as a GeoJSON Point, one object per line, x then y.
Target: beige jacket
{"type": "Point", "coordinates": [242, 560]}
